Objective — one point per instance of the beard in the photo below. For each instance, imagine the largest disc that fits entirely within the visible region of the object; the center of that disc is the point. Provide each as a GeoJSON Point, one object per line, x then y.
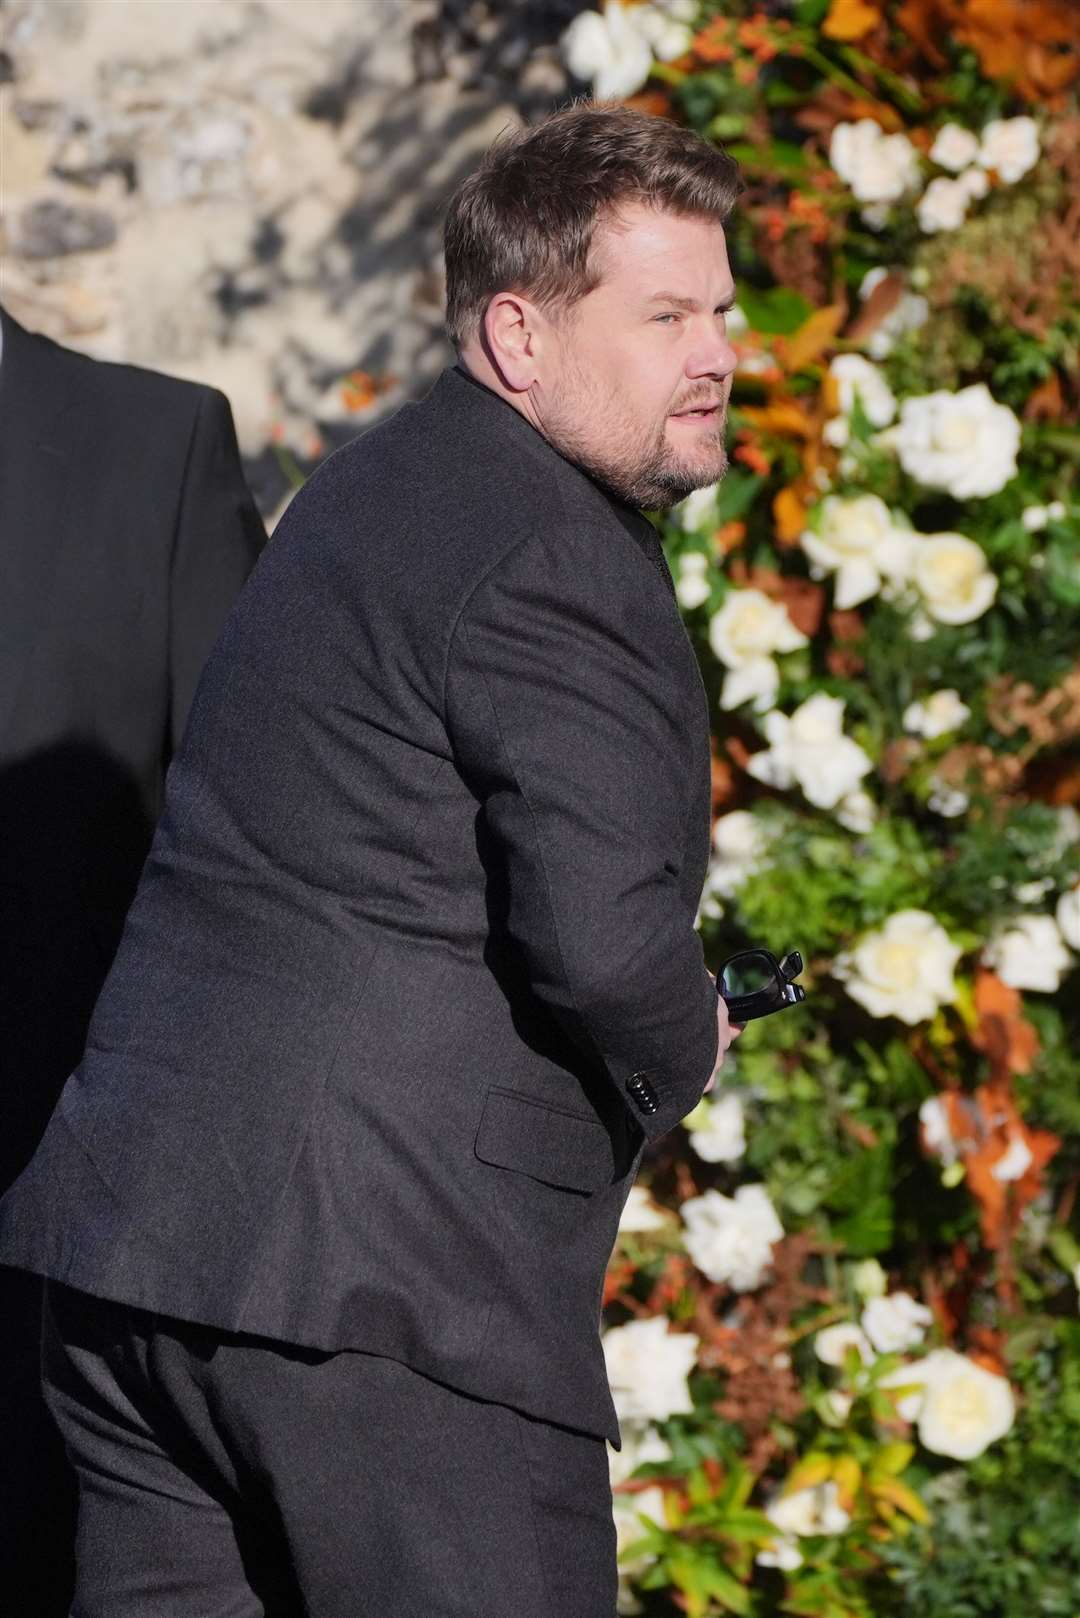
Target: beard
{"type": "Point", "coordinates": [630, 460]}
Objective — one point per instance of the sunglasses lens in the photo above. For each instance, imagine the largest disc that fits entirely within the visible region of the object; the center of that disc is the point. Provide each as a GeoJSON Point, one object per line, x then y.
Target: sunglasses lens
{"type": "Point", "coordinates": [747, 974]}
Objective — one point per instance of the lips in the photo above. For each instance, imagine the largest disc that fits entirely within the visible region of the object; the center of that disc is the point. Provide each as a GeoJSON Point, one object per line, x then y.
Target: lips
{"type": "Point", "coordinates": [699, 410]}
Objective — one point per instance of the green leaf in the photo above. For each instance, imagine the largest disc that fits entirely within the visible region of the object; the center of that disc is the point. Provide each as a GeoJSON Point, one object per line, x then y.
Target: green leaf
{"type": "Point", "coordinates": [780, 311]}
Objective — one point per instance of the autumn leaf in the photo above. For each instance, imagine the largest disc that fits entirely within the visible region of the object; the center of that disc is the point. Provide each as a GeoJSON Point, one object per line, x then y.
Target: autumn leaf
{"type": "Point", "coordinates": [812, 339]}
{"type": "Point", "coordinates": [850, 19]}
{"type": "Point", "coordinates": [783, 416]}
{"type": "Point", "coordinates": [1002, 1032]}
{"type": "Point", "coordinates": [789, 514]}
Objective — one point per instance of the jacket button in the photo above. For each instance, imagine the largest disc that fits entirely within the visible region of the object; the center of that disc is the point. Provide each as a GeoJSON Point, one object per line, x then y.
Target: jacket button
{"type": "Point", "coordinates": [642, 1093]}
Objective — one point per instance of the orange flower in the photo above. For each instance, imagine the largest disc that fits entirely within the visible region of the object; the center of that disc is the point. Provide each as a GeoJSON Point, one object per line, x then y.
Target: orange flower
{"type": "Point", "coordinates": [752, 455]}
{"type": "Point", "coordinates": [714, 44]}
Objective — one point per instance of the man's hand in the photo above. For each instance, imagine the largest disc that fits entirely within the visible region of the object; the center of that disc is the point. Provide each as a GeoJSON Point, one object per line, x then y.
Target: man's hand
{"type": "Point", "coordinates": [727, 1031]}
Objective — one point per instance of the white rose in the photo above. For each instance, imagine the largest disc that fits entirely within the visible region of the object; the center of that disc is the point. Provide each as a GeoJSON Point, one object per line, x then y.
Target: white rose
{"type": "Point", "coordinates": [744, 634]}
{"type": "Point", "coordinates": [692, 580]}
{"type": "Point", "coordinates": [1033, 893]}
{"type": "Point", "coordinates": [1028, 952]}
{"type": "Point", "coordinates": [946, 800]}
{"type": "Point", "coordinates": [756, 682]}
{"type": "Point", "coordinates": [904, 969]}
{"type": "Point", "coordinates": [975, 183]}
{"type": "Point", "coordinates": [783, 1553]}
{"type": "Point", "coordinates": [640, 1212]}
{"type": "Point", "coordinates": [878, 167]}
{"type": "Point", "coordinates": [961, 442]}
{"type": "Point", "coordinates": [895, 1322]}
{"type": "Point", "coordinates": [942, 206]}
{"type": "Point", "coordinates": [1067, 916]}
{"type": "Point", "coordinates": [857, 378]}
{"type": "Point", "coordinates": [1015, 1162]}
{"type": "Point", "coordinates": [964, 1408]}
{"type": "Point", "coordinates": [730, 1239]}
{"type": "Point", "coordinates": [832, 1343]}
{"type": "Point", "coordinates": [835, 1406]}
{"type": "Point", "coordinates": [609, 50]}
{"type": "Point", "coordinates": [1010, 146]}
{"type": "Point", "coordinates": [665, 33]}
{"type": "Point", "coordinates": [875, 214]}
{"type": "Point", "coordinates": [809, 748]}
{"type": "Point", "coordinates": [718, 1130]}
{"type": "Point", "coordinates": [815, 1510]}
{"type": "Point", "coordinates": [749, 626]}
{"type": "Point", "coordinates": [953, 578]}
{"type": "Point", "coordinates": [954, 147]}
{"type": "Point", "coordinates": [1034, 518]}
{"type": "Point", "coordinates": [869, 1279]}
{"type": "Point", "coordinates": [857, 540]}
{"type": "Point", "coordinates": [857, 811]}
{"type": "Point", "coordinates": [936, 715]}
{"type": "Point", "coordinates": [741, 843]}
{"type": "Point", "coordinates": [647, 1368]}
{"type": "Point", "coordinates": [698, 510]}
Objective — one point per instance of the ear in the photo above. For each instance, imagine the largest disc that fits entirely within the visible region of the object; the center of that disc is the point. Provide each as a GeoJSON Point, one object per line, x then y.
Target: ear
{"type": "Point", "coordinates": [515, 336]}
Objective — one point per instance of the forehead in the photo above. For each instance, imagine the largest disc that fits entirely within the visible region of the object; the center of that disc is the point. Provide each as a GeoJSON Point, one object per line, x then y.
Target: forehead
{"type": "Point", "coordinates": [643, 250]}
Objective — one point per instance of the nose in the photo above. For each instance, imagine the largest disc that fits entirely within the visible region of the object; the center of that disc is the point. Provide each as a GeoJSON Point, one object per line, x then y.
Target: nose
{"type": "Point", "coordinates": [712, 355]}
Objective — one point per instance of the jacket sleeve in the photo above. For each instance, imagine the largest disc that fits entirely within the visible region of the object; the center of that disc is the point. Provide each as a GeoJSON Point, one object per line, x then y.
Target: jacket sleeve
{"type": "Point", "coordinates": [567, 709]}
{"type": "Point", "coordinates": [218, 537]}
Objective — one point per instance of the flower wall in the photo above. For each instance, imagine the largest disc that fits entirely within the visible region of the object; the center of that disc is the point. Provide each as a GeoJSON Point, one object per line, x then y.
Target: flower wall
{"type": "Point", "coordinates": [842, 1326]}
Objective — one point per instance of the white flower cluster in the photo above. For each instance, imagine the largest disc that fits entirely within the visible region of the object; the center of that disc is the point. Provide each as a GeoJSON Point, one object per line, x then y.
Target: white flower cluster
{"type": "Point", "coordinates": [960, 1408]}
{"type": "Point", "coordinates": [881, 169]}
{"type": "Point", "coordinates": [1008, 146]}
{"type": "Point", "coordinates": [615, 48]}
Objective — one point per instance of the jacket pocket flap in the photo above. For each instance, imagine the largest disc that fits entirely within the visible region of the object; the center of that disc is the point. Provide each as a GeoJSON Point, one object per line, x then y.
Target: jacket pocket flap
{"type": "Point", "coordinates": [561, 1148]}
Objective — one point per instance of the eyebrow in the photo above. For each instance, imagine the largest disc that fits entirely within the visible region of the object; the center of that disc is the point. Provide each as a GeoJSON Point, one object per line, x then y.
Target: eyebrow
{"type": "Point", "coordinates": [691, 305]}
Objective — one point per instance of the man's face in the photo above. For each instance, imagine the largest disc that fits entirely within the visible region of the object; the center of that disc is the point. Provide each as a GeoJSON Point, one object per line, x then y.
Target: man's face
{"type": "Point", "coordinates": [637, 386]}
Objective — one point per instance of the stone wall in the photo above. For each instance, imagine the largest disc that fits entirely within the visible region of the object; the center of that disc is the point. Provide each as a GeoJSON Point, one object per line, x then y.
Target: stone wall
{"type": "Point", "coordinates": [249, 192]}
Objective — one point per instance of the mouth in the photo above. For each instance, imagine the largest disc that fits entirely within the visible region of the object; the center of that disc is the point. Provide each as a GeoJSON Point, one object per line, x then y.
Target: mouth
{"type": "Point", "coordinates": [698, 413]}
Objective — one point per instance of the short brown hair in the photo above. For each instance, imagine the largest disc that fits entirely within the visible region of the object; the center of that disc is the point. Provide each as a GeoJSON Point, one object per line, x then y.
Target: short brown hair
{"type": "Point", "coordinates": [525, 219]}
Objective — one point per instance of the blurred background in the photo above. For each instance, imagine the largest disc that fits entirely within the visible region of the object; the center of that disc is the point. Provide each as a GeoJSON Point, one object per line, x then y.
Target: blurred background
{"type": "Point", "coordinates": [248, 192]}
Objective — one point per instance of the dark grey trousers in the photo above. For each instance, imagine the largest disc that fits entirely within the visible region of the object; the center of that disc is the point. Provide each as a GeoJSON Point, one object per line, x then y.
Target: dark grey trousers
{"type": "Point", "coordinates": [223, 1476]}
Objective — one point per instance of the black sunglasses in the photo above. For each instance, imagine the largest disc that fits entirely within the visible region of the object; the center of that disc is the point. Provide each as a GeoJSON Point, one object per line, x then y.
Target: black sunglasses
{"type": "Point", "coordinates": [754, 983]}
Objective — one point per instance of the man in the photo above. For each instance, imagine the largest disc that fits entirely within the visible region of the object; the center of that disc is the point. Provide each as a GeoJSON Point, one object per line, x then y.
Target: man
{"type": "Point", "coordinates": [412, 975]}
{"type": "Point", "coordinates": [126, 531]}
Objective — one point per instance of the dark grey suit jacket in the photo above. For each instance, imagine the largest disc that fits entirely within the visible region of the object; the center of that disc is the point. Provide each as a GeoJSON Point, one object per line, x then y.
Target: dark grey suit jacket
{"type": "Point", "coordinates": [420, 905]}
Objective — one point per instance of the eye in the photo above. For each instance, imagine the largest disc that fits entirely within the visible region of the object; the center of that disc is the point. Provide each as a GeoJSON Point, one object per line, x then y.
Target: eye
{"type": "Point", "coordinates": [666, 317]}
